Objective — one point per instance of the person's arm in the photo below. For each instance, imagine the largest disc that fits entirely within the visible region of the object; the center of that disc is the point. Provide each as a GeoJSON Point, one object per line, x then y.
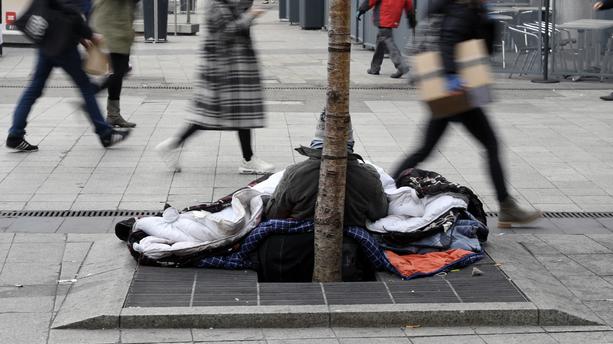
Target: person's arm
{"type": "Point", "coordinates": [221, 19]}
{"type": "Point", "coordinates": [378, 206]}
{"type": "Point", "coordinates": [603, 5]}
{"type": "Point", "coordinates": [365, 6]}
{"type": "Point", "coordinates": [410, 13]}
{"type": "Point", "coordinates": [280, 204]}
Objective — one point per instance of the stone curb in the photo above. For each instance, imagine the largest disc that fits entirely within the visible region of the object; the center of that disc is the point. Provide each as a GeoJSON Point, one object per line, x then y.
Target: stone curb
{"type": "Point", "coordinates": [432, 315]}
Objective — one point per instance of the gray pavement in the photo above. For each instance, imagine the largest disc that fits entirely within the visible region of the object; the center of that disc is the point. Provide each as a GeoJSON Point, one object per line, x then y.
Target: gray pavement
{"type": "Point", "coordinates": [556, 144]}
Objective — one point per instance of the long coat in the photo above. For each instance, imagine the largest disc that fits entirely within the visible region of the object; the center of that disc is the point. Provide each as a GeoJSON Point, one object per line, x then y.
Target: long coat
{"type": "Point", "coordinates": [228, 90]}
{"type": "Point", "coordinates": [114, 20]}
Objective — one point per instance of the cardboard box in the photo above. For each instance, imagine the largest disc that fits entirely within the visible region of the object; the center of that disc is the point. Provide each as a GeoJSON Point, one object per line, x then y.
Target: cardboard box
{"type": "Point", "coordinates": [474, 70]}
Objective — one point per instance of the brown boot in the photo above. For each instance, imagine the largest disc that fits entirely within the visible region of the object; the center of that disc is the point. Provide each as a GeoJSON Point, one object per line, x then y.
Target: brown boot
{"type": "Point", "coordinates": [114, 115]}
{"type": "Point", "coordinates": [511, 212]}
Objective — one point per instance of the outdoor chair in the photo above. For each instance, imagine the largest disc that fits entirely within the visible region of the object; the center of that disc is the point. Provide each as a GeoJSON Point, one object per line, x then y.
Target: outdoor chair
{"type": "Point", "coordinates": [526, 44]}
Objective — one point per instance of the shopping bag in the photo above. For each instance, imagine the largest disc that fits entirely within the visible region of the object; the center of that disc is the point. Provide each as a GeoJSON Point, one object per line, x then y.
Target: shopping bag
{"type": "Point", "coordinates": [473, 68]}
{"type": "Point", "coordinates": [96, 62]}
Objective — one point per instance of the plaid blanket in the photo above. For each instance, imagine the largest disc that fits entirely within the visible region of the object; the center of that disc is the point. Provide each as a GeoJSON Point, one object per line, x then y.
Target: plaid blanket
{"type": "Point", "coordinates": [240, 259]}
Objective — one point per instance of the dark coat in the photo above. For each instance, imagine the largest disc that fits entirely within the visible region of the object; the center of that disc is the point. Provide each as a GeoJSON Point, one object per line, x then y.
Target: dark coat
{"type": "Point", "coordinates": [73, 8]}
{"type": "Point", "coordinates": [228, 90]}
{"type": "Point", "coordinates": [296, 194]}
{"type": "Point", "coordinates": [387, 13]}
{"type": "Point", "coordinates": [462, 20]}
{"type": "Point", "coordinates": [606, 4]}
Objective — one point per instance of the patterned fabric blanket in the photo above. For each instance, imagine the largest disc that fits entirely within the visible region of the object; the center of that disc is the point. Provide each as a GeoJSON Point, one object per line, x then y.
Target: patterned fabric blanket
{"type": "Point", "coordinates": [240, 259]}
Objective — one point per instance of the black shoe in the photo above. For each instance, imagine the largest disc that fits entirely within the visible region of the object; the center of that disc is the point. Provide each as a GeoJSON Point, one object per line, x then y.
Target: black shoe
{"type": "Point", "coordinates": [19, 144]}
{"type": "Point", "coordinates": [607, 98]}
{"type": "Point", "coordinates": [114, 137]}
{"type": "Point", "coordinates": [372, 72]}
{"type": "Point", "coordinates": [399, 73]}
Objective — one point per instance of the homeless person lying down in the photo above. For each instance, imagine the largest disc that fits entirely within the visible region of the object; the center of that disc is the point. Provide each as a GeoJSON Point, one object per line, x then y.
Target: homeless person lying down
{"type": "Point", "coordinates": [416, 226]}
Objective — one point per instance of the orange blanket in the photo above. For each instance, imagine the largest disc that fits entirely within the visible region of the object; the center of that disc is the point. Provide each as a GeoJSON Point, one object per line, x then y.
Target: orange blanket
{"type": "Point", "coordinates": [428, 264]}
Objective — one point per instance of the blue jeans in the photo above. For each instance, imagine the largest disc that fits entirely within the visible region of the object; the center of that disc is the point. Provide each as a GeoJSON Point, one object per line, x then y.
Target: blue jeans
{"type": "Point", "coordinates": [70, 62]}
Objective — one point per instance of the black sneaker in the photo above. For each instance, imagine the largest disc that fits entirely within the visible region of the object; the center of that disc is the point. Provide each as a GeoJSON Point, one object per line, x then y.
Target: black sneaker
{"type": "Point", "coordinates": [399, 73]}
{"type": "Point", "coordinates": [19, 144]}
{"type": "Point", "coordinates": [114, 137]}
{"type": "Point", "coordinates": [607, 98]}
{"type": "Point", "coordinates": [372, 71]}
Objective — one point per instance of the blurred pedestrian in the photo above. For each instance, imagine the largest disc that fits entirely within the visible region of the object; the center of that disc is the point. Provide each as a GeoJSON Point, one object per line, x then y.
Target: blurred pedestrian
{"type": "Point", "coordinates": [114, 19]}
{"type": "Point", "coordinates": [386, 16]}
{"type": "Point", "coordinates": [464, 20]}
{"type": "Point", "coordinates": [228, 92]}
{"type": "Point", "coordinates": [62, 52]}
{"type": "Point", "coordinates": [601, 6]}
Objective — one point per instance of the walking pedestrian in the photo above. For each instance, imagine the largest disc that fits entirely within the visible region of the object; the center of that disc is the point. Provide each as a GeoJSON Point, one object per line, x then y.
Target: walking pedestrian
{"type": "Point", "coordinates": [228, 93]}
{"type": "Point", "coordinates": [463, 20]}
{"type": "Point", "coordinates": [601, 6]}
{"type": "Point", "coordinates": [114, 20]}
{"type": "Point", "coordinates": [387, 14]}
{"type": "Point", "coordinates": [69, 59]}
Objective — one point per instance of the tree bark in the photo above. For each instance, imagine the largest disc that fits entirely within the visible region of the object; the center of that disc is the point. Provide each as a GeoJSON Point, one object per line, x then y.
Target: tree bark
{"type": "Point", "coordinates": [330, 205]}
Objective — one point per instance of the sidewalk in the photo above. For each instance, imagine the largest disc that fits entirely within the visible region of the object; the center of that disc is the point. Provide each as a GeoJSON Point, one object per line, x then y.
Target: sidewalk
{"type": "Point", "coordinates": [556, 143]}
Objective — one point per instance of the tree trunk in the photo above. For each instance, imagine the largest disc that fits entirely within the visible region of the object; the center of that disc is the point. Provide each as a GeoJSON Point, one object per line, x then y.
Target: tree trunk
{"type": "Point", "coordinates": [330, 206]}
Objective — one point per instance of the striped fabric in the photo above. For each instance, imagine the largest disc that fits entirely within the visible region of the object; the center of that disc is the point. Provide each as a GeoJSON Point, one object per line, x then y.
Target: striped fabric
{"type": "Point", "coordinates": [228, 90]}
{"type": "Point", "coordinates": [240, 259]}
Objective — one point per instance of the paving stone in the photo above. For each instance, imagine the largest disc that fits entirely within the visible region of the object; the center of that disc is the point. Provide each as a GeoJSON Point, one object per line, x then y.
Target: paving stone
{"type": "Point", "coordinates": [29, 274]}
{"type": "Point", "coordinates": [583, 337]}
{"type": "Point", "coordinates": [36, 224]}
{"type": "Point", "coordinates": [540, 338]}
{"type": "Point", "coordinates": [155, 335]}
{"type": "Point", "coordinates": [346, 332]}
{"type": "Point", "coordinates": [507, 329]}
{"type": "Point", "coordinates": [574, 244]}
{"type": "Point", "coordinates": [24, 328]}
{"type": "Point", "coordinates": [448, 339]}
{"type": "Point", "coordinates": [603, 239]}
{"type": "Point", "coordinates": [599, 264]}
{"type": "Point", "coordinates": [286, 333]}
{"type": "Point", "coordinates": [384, 340]}
{"type": "Point", "coordinates": [27, 299]}
{"type": "Point", "coordinates": [83, 336]}
{"type": "Point", "coordinates": [86, 225]}
{"type": "Point", "coordinates": [216, 335]}
{"type": "Point", "coordinates": [595, 289]}
{"type": "Point", "coordinates": [304, 341]}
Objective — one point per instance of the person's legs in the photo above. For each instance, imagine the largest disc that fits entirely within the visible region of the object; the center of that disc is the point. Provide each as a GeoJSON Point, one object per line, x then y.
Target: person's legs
{"type": "Point", "coordinates": [436, 128]}
{"type": "Point", "coordinates": [71, 63]}
{"type": "Point", "coordinates": [169, 149]}
{"type": "Point", "coordinates": [395, 54]}
{"type": "Point", "coordinates": [250, 163]}
{"type": "Point", "coordinates": [34, 90]}
{"type": "Point", "coordinates": [510, 212]}
{"type": "Point", "coordinates": [377, 57]}
{"type": "Point", "coordinates": [244, 136]}
{"type": "Point", "coordinates": [479, 126]}
{"type": "Point", "coordinates": [121, 66]}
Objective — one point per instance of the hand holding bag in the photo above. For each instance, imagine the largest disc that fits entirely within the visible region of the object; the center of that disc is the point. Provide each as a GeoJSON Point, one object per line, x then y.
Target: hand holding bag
{"type": "Point", "coordinates": [97, 61]}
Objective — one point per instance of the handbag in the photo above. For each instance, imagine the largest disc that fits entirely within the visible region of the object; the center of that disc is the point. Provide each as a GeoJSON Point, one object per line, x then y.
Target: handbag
{"type": "Point", "coordinates": [97, 61]}
{"type": "Point", "coordinates": [49, 26]}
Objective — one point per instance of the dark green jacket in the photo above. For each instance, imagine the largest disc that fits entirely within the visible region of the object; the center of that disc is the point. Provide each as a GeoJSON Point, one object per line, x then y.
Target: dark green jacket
{"type": "Point", "coordinates": [114, 19]}
{"type": "Point", "coordinates": [296, 194]}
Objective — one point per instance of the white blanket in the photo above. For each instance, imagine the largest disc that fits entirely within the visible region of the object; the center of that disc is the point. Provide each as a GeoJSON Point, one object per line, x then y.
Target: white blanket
{"type": "Point", "coordinates": [194, 231]}
{"type": "Point", "coordinates": [407, 212]}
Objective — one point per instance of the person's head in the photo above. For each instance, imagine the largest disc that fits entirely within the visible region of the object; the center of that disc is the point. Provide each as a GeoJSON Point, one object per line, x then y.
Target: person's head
{"type": "Point", "coordinates": [318, 139]}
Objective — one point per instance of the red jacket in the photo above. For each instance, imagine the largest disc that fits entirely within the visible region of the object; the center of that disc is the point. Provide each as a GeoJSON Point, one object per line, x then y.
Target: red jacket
{"type": "Point", "coordinates": [387, 12]}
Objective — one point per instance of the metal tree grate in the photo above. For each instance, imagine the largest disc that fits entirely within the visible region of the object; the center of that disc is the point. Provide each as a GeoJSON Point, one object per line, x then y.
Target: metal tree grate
{"type": "Point", "coordinates": [129, 213]}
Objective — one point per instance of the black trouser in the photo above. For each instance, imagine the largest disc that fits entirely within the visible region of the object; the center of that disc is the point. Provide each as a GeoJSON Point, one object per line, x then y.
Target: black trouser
{"type": "Point", "coordinates": [478, 125]}
{"type": "Point", "coordinates": [385, 42]}
{"type": "Point", "coordinates": [120, 64]}
{"type": "Point", "coordinates": [244, 136]}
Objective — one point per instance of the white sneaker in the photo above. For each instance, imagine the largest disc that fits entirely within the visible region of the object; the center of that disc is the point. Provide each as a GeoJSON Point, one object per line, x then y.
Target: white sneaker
{"type": "Point", "coordinates": [255, 166]}
{"type": "Point", "coordinates": [170, 153]}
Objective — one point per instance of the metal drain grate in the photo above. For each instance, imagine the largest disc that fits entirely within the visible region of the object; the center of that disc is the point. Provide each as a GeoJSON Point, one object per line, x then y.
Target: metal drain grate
{"type": "Point", "coordinates": [77, 213]}
{"type": "Point", "coordinates": [129, 213]}
{"type": "Point", "coordinates": [568, 215]}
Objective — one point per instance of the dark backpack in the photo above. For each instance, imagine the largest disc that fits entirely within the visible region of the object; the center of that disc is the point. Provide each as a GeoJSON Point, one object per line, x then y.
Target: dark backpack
{"type": "Point", "coordinates": [50, 26]}
{"type": "Point", "coordinates": [290, 258]}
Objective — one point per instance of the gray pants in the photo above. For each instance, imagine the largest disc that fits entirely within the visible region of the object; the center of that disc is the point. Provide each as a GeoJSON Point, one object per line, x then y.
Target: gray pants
{"type": "Point", "coordinates": [385, 42]}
